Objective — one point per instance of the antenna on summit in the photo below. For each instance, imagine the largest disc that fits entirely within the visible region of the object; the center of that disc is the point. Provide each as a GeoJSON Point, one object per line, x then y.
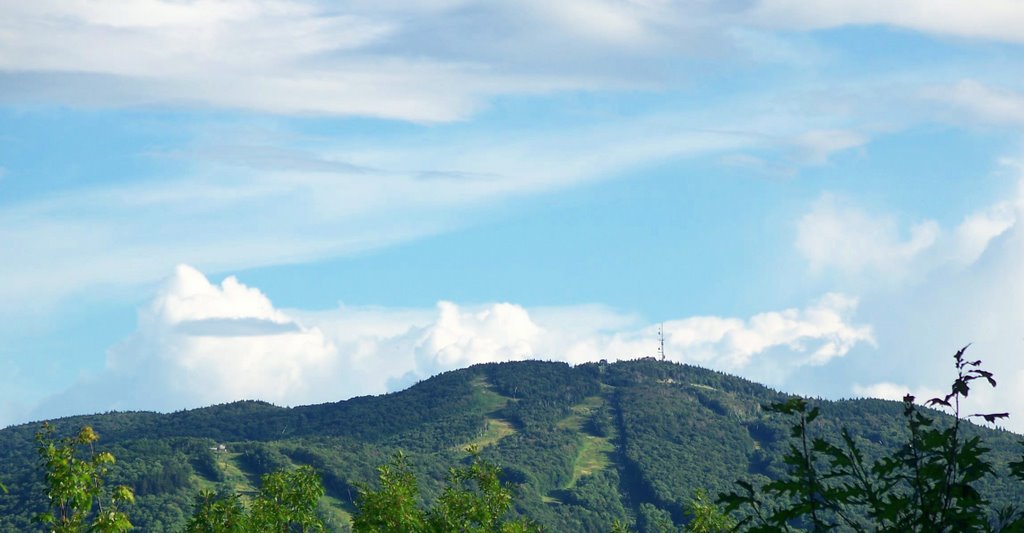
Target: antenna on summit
{"type": "Point", "coordinates": [661, 340]}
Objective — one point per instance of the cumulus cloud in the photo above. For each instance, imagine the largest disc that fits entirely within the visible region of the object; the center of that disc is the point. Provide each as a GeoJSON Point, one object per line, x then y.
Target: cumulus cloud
{"type": "Point", "coordinates": [199, 343]}
{"type": "Point", "coordinates": [205, 343]}
{"type": "Point", "coordinates": [501, 332]}
{"type": "Point", "coordinates": [810, 336]}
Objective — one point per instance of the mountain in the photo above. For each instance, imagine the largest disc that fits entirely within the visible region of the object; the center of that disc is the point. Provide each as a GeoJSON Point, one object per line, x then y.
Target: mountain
{"type": "Point", "coordinates": [584, 445]}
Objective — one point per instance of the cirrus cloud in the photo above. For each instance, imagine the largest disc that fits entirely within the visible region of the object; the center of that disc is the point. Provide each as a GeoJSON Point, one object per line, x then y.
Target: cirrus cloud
{"type": "Point", "coordinates": [418, 61]}
{"type": "Point", "coordinates": [997, 20]}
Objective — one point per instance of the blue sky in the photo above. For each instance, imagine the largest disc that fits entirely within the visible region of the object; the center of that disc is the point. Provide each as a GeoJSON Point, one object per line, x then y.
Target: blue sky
{"type": "Point", "coordinates": [300, 201]}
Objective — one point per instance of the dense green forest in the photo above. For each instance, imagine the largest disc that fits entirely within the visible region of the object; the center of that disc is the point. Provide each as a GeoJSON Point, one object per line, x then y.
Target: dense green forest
{"type": "Point", "coordinates": [582, 447]}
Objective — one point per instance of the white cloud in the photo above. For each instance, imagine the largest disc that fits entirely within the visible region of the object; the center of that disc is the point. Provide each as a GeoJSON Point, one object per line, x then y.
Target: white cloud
{"type": "Point", "coordinates": [973, 235]}
{"type": "Point", "coordinates": [838, 235]}
{"type": "Point", "coordinates": [501, 332]}
{"type": "Point", "coordinates": [198, 343]}
{"type": "Point", "coordinates": [818, 145]}
{"type": "Point", "coordinates": [893, 391]}
{"type": "Point", "coordinates": [980, 103]}
{"type": "Point", "coordinates": [841, 236]}
{"type": "Point", "coordinates": [810, 336]}
{"type": "Point", "coordinates": [624, 23]}
{"type": "Point", "coordinates": [999, 20]}
{"type": "Point", "coordinates": [406, 60]}
{"type": "Point", "coordinates": [814, 334]}
{"type": "Point", "coordinates": [419, 61]}
{"type": "Point", "coordinates": [986, 307]}
{"type": "Point", "coordinates": [970, 289]}
{"type": "Point", "coordinates": [289, 56]}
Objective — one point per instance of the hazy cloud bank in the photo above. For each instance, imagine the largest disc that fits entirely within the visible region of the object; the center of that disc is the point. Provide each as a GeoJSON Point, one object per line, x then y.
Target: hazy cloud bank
{"type": "Point", "coordinates": [930, 290]}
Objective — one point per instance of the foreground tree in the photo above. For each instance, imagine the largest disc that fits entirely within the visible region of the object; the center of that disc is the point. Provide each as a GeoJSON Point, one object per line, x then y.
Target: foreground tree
{"type": "Point", "coordinates": [474, 501]}
{"type": "Point", "coordinates": [706, 517]}
{"type": "Point", "coordinates": [926, 485]}
{"type": "Point", "coordinates": [287, 502]}
{"type": "Point", "coordinates": [395, 506]}
{"type": "Point", "coordinates": [74, 485]}
{"type": "Point", "coordinates": [217, 514]}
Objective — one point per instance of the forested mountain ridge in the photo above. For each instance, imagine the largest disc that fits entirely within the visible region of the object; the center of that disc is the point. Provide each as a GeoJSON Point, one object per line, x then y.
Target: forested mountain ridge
{"type": "Point", "coordinates": [585, 445]}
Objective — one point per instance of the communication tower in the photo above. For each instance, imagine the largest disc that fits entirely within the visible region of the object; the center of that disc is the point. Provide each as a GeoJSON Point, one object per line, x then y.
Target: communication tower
{"type": "Point", "coordinates": [661, 341]}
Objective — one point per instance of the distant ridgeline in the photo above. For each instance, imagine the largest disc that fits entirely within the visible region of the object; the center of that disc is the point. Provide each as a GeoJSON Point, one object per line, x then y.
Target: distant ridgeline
{"type": "Point", "coordinates": [587, 445]}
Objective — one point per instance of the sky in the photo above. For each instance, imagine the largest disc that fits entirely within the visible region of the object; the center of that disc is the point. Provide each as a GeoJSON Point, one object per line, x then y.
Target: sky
{"type": "Point", "coordinates": [301, 201]}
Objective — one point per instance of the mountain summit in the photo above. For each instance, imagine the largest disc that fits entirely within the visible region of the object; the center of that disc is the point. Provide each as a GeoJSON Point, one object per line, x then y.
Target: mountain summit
{"type": "Point", "coordinates": [583, 445]}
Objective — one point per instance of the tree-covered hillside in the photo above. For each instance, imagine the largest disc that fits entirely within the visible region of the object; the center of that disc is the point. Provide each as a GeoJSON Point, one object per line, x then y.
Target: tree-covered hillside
{"type": "Point", "coordinates": [584, 446]}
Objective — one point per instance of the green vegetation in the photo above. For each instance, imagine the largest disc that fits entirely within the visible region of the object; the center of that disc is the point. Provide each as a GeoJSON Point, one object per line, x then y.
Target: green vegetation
{"type": "Point", "coordinates": [595, 447]}
{"type": "Point", "coordinates": [474, 501]}
{"type": "Point", "coordinates": [627, 445]}
{"type": "Point", "coordinates": [706, 517]}
{"type": "Point", "coordinates": [74, 485]}
{"type": "Point", "coordinates": [930, 483]}
{"type": "Point", "coordinates": [287, 501]}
